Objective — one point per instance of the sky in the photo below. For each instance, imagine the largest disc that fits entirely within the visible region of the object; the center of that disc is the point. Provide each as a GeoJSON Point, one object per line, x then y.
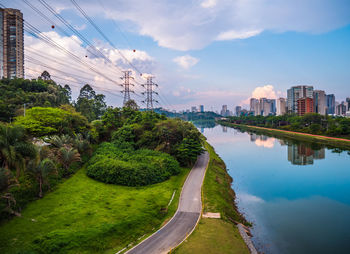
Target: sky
{"type": "Point", "coordinates": [209, 52]}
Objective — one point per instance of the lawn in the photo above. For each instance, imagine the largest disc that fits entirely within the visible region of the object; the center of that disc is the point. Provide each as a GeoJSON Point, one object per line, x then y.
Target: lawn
{"type": "Point", "coordinates": [216, 235]}
{"type": "Point", "coordinates": [86, 216]}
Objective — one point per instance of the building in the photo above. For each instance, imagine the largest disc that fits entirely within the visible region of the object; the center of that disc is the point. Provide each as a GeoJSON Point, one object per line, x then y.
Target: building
{"type": "Point", "coordinates": [201, 108]}
{"type": "Point", "coordinates": [224, 111]}
{"type": "Point", "coordinates": [254, 106]}
{"type": "Point", "coordinates": [11, 43]}
{"type": "Point", "coordinates": [340, 110]}
{"type": "Point", "coordinates": [238, 110]}
{"type": "Point", "coordinates": [305, 105]}
{"type": "Point", "coordinates": [281, 107]}
{"type": "Point", "coordinates": [330, 98]}
{"type": "Point", "coordinates": [320, 102]}
{"type": "Point", "coordinates": [193, 109]}
{"type": "Point", "coordinates": [294, 94]}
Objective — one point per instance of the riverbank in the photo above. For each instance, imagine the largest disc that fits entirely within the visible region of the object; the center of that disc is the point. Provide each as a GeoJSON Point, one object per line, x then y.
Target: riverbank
{"type": "Point", "coordinates": [330, 141]}
{"type": "Point", "coordinates": [216, 235]}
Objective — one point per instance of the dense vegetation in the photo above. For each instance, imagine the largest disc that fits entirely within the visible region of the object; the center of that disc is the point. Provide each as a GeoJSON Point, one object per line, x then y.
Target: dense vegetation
{"type": "Point", "coordinates": [56, 136]}
{"type": "Point", "coordinates": [310, 123]}
{"type": "Point", "coordinates": [131, 168]}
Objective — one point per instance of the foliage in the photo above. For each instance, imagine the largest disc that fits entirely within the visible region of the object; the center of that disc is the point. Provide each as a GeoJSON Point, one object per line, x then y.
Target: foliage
{"type": "Point", "coordinates": [14, 93]}
{"type": "Point", "coordinates": [90, 104]}
{"type": "Point", "coordinates": [142, 167]}
{"type": "Point", "coordinates": [41, 121]}
{"type": "Point", "coordinates": [309, 123]}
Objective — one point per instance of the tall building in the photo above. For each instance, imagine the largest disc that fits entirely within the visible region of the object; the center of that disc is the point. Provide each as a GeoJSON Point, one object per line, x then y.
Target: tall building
{"type": "Point", "coordinates": [254, 106]}
{"type": "Point", "coordinates": [224, 111]}
{"type": "Point", "coordinates": [305, 105]}
{"type": "Point", "coordinates": [330, 98]}
{"type": "Point", "coordinates": [194, 109]}
{"type": "Point", "coordinates": [238, 110]}
{"type": "Point", "coordinates": [340, 110]}
{"type": "Point", "coordinates": [281, 107]}
{"type": "Point", "coordinates": [320, 102]}
{"type": "Point", "coordinates": [201, 108]}
{"type": "Point", "coordinates": [11, 44]}
{"type": "Point", "coordinates": [295, 93]}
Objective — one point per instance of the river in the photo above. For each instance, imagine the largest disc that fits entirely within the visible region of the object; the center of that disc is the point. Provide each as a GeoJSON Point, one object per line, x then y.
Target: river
{"type": "Point", "coordinates": [297, 195]}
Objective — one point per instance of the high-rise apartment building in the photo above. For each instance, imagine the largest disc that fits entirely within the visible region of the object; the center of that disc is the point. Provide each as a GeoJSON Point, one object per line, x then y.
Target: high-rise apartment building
{"type": "Point", "coordinates": [295, 93]}
{"type": "Point", "coordinates": [11, 44]}
{"type": "Point", "coordinates": [193, 109]}
{"type": "Point", "coordinates": [254, 106]}
{"type": "Point", "coordinates": [320, 102]}
{"type": "Point", "coordinates": [224, 111]}
{"type": "Point", "coordinates": [281, 107]}
{"type": "Point", "coordinates": [238, 110]}
{"type": "Point", "coordinates": [305, 105]}
{"type": "Point", "coordinates": [330, 98]}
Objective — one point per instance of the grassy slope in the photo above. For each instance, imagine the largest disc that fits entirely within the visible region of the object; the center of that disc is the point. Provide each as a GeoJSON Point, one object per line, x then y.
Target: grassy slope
{"type": "Point", "coordinates": [86, 216]}
{"type": "Point", "coordinates": [216, 235]}
{"type": "Point", "coordinates": [299, 136]}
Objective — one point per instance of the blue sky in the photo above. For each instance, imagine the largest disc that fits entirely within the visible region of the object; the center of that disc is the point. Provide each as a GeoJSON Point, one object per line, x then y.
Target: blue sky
{"type": "Point", "coordinates": [209, 52]}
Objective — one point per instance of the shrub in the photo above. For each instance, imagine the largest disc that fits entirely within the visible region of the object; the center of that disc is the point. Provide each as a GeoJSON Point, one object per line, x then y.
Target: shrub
{"type": "Point", "coordinates": [142, 167]}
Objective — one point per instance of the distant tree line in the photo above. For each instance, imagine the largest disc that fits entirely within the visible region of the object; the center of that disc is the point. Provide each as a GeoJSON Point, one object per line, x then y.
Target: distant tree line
{"type": "Point", "coordinates": [309, 123]}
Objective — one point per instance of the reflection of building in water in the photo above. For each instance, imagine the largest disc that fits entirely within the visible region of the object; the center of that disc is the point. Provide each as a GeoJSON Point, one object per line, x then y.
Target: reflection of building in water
{"type": "Point", "coordinates": [202, 129]}
{"type": "Point", "coordinates": [224, 128]}
{"type": "Point", "coordinates": [253, 137]}
{"type": "Point", "coordinates": [282, 142]}
{"type": "Point", "coordinates": [304, 155]}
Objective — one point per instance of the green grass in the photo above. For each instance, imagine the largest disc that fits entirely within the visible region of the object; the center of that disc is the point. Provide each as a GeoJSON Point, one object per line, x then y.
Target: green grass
{"type": "Point", "coordinates": [86, 216]}
{"type": "Point", "coordinates": [216, 235]}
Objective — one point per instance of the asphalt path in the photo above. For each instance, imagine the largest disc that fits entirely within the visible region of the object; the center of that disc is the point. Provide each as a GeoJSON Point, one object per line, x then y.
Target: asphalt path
{"type": "Point", "coordinates": [185, 218]}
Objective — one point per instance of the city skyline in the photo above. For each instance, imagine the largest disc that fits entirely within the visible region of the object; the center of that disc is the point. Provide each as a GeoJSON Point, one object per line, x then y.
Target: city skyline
{"type": "Point", "coordinates": [267, 57]}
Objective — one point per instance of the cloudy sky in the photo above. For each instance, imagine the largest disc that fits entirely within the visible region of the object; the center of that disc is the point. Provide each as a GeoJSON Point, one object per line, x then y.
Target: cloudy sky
{"type": "Point", "coordinates": [209, 52]}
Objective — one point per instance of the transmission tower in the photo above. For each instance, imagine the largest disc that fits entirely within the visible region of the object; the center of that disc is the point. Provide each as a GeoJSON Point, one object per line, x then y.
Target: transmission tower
{"type": "Point", "coordinates": [126, 85]}
{"type": "Point", "coordinates": [149, 93]}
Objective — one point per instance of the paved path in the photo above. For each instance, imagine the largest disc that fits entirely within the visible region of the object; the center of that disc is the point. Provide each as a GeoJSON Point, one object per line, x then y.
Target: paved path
{"type": "Point", "coordinates": [185, 218]}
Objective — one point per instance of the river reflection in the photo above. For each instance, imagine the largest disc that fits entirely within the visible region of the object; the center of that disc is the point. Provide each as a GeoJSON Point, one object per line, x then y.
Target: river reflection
{"type": "Point", "coordinates": [296, 194]}
{"type": "Point", "coordinates": [298, 153]}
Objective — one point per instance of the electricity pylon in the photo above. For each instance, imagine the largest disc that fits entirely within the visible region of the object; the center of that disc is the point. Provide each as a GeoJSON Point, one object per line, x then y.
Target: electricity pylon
{"type": "Point", "coordinates": [149, 93]}
{"type": "Point", "coordinates": [126, 85]}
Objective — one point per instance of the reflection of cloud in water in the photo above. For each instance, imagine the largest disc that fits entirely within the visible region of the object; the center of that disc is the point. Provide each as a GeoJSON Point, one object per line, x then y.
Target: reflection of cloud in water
{"type": "Point", "coordinates": [269, 143]}
{"type": "Point", "coordinates": [248, 198]}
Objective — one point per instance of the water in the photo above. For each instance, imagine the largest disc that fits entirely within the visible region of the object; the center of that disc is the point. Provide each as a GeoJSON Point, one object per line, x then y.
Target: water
{"type": "Point", "coordinates": [297, 195]}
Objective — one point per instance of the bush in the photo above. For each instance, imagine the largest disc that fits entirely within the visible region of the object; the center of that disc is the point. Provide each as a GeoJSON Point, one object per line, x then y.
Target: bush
{"type": "Point", "coordinates": [142, 167]}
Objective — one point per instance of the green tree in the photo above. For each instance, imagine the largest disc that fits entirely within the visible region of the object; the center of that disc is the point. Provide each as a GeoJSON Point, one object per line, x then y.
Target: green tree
{"type": "Point", "coordinates": [66, 156]}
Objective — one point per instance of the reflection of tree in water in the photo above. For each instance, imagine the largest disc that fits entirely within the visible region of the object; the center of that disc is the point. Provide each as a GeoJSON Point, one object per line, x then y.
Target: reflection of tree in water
{"type": "Point", "coordinates": [204, 123]}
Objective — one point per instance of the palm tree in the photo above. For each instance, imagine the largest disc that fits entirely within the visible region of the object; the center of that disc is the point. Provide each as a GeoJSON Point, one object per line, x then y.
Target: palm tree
{"type": "Point", "coordinates": [67, 155]}
{"type": "Point", "coordinates": [14, 148]}
{"type": "Point", "coordinates": [81, 144]}
{"type": "Point", "coordinates": [41, 167]}
{"type": "Point", "coordinates": [60, 141]}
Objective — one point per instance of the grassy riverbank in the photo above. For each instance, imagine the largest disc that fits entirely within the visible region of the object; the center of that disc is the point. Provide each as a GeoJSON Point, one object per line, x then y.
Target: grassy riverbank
{"type": "Point", "coordinates": [86, 216]}
{"type": "Point", "coordinates": [332, 142]}
{"type": "Point", "coordinates": [216, 235]}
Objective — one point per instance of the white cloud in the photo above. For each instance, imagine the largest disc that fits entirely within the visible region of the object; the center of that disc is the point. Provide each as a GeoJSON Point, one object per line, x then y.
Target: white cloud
{"type": "Point", "coordinates": [249, 198]}
{"type": "Point", "coordinates": [80, 73]}
{"type": "Point", "coordinates": [183, 25]}
{"type": "Point", "coordinates": [269, 143]}
{"type": "Point", "coordinates": [208, 3]}
{"type": "Point", "coordinates": [266, 91]}
{"type": "Point", "coordinates": [232, 35]}
{"type": "Point", "coordinates": [186, 61]}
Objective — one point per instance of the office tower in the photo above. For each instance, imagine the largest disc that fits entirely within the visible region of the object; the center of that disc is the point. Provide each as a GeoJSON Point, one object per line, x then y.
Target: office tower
{"type": "Point", "coordinates": [238, 110]}
{"type": "Point", "coordinates": [340, 110]}
{"type": "Point", "coordinates": [330, 98]}
{"type": "Point", "coordinates": [254, 106]}
{"type": "Point", "coordinates": [320, 102]}
{"type": "Point", "coordinates": [348, 104]}
{"type": "Point", "coordinates": [273, 106]}
{"type": "Point", "coordinates": [305, 105]}
{"type": "Point", "coordinates": [281, 107]}
{"type": "Point", "coordinates": [194, 109]}
{"type": "Point", "coordinates": [11, 43]}
{"type": "Point", "coordinates": [201, 108]}
{"type": "Point", "coordinates": [224, 111]}
{"type": "Point", "coordinates": [294, 94]}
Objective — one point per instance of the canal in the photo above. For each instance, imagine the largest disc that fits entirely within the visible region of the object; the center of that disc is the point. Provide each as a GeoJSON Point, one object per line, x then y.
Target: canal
{"type": "Point", "coordinates": [297, 195]}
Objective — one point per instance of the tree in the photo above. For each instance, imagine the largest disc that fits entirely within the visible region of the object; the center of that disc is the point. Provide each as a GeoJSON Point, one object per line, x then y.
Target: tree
{"type": "Point", "coordinates": [41, 167]}
{"type": "Point", "coordinates": [45, 75]}
{"type": "Point", "coordinates": [14, 148]}
{"type": "Point", "coordinates": [90, 104]}
{"type": "Point", "coordinates": [66, 156]}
